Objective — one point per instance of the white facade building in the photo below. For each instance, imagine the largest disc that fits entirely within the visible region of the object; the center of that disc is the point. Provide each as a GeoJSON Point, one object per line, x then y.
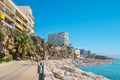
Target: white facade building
{"type": "Point", "coordinates": [60, 38]}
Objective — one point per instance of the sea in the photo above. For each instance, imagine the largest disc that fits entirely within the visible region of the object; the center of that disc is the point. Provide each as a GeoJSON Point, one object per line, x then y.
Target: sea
{"type": "Point", "coordinates": [109, 70]}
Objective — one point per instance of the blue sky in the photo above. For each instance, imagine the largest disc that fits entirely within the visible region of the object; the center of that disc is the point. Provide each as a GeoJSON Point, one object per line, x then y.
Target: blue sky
{"type": "Point", "coordinates": [92, 24]}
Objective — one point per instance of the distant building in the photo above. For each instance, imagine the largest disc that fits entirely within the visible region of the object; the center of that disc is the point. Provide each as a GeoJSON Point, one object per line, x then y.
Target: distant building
{"type": "Point", "coordinates": [60, 38]}
{"type": "Point", "coordinates": [76, 51]}
{"type": "Point", "coordinates": [85, 52]}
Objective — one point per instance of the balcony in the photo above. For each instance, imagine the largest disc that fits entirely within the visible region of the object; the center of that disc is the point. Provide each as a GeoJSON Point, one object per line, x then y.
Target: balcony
{"type": "Point", "coordinates": [9, 24]}
{"type": "Point", "coordinates": [1, 9]}
{"type": "Point", "coordinates": [11, 18]}
{"type": "Point", "coordinates": [19, 26]}
{"type": "Point", "coordinates": [22, 21]}
{"type": "Point", "coordinates": [2, 15]}
{"type": "Point", "coordinates": [10, 10]}
{"type": "Point", "coordinates": [6, 12]}
{"type": "Point", "coordinates": [9, 5]}
{"type": "Point", "coordinates": [1, 3]}
{"type": "Point", "coordinates": [25, 30]}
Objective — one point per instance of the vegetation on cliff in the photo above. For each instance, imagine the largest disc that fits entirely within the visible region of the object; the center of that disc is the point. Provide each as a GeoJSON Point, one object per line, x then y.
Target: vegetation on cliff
{"type": "Point", "coordinates": [15, 44]}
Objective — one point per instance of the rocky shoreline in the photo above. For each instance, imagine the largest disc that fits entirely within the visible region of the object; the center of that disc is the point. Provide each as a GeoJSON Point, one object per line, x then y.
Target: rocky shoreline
{"type": "Point", "coordinates": [66, 70]}
{"type": "Point", "coordinates": [82, 62]}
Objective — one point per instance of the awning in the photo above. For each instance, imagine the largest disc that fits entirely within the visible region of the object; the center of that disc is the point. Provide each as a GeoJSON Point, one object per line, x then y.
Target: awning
{"type": "Point", "coordinates": [20, 27]}
{"type": "Point", "coordinates": [2, 15]}
{"type": "Point", "coordinates": [18, 19]}
{"type": "Point", "coordinates": [25, 24]}
{"type": "Point", "coordinates": [22, 22]}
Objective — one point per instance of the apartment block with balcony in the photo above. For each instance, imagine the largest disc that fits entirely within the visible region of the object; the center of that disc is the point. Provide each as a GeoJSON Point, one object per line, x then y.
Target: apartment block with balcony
{"type": "Point", "coordinates": [27, 11]}
{"type": "Point", "coordinates": [60, 38]}
{"type": "Point", "coordinates": [13, 17]}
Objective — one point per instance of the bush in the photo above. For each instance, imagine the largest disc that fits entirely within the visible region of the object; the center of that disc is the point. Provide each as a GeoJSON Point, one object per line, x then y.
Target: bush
{"type": "Point", "coordinates": [26, 58]}
{"type": "Point", "coordinates": [7, 58]}
{"type": "Point", "coordinates": [100, 57]}
{"type": "Point", "coordinates": [0, 60]}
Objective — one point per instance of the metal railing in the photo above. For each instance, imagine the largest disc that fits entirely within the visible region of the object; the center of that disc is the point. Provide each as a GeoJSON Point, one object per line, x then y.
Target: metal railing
{"type": "Point", "coordinates": [12, 24]}
{"type": "Point", "coordinates": [2, 9]}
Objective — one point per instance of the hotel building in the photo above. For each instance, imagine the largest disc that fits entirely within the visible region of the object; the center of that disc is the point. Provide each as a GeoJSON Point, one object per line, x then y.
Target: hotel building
{"type": "Point", "coordinates": [16, 17]}
{"type": "Point", "coordinates": [60, 38]}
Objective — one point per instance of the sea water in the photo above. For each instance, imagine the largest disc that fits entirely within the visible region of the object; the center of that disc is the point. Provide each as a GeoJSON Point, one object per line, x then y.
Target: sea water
{"type": "Point", "coordinates": [109, 70]}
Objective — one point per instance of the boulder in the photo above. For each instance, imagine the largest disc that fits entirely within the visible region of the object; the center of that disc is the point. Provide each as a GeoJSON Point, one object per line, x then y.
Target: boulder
{"type": "Point", "coordinates": [68, 68]}
{"type": "Point", "coordinates": [67, 73]}
{"type": "Point", "coordinates": [58, 73]}
{"type": "Point", "coordinates": [101, 78]}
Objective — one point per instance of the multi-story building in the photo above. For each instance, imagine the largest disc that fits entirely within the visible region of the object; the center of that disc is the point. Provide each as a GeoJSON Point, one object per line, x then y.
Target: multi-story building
{"type": "Point", "coordinates": [16, 17]}
{"type": "Point", "coordinates": [85, 52]}
{"type": "Point", "coordinates": [60, 38]}
{"type": "Point", "coordinates": [26, 10]}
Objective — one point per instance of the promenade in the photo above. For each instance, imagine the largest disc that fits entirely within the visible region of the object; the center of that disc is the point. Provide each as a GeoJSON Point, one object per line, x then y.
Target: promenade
{"type": "Point", "coordinates": [21, 70]}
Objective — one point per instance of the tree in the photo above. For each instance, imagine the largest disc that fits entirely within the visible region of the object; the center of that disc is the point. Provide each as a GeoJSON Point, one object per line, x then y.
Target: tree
{"type": "Point", "coordinates": [22, 44]}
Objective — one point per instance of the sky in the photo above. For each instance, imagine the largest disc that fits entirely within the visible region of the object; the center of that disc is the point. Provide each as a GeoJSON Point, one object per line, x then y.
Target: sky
{"type": "Point", "coordinates": [91, 24]}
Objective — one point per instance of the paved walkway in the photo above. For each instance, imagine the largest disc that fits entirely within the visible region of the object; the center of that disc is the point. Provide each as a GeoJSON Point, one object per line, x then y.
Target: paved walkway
{"type": "Point", "coordinates": [22, 70]}
{"type": "Point", "coordinates": [18, 71]}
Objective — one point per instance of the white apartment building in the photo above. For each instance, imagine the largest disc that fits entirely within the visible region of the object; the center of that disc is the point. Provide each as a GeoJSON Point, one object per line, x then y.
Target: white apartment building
{"type": "Point", "coordinates": [16, 17]}
{"type": "Point", "coordinates": [60, 38]}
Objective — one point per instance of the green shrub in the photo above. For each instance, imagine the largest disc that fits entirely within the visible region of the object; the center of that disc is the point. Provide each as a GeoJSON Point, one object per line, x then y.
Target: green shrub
{"type": "Point", "coordinates": [0, 60]}
{"type": "Point", "coordinates": [26, 58]}
{"type": "Point", "coordinates": [10, 57]}
{"type": "Point", "coordinates": [100, 57]}
{"type": "Point", "coordinates": [7, 58]}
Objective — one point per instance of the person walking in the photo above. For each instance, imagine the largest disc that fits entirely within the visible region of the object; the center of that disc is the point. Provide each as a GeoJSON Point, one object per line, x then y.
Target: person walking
{"type": "Point", "coordinates": [41, 71]}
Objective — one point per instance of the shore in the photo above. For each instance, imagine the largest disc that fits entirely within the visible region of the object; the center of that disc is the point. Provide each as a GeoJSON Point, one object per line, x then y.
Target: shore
{"type": "Point", "coordinates": [66, 69]}
{"type": "Point", "coordinates": [82, 62]}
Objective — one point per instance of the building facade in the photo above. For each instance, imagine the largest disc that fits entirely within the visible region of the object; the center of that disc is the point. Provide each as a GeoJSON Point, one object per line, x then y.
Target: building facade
{"type": "Point", "coordinates": [60, 38]}
{"type": "Point", "coordinates": [85, 52]}
{"type": "Point", "coordinates": [26, 10]}
{"type": "Point", "coordinates": [16, 17]}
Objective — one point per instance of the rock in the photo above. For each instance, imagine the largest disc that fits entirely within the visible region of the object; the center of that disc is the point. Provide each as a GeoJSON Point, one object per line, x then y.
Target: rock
{"type": "Point", "coordinates": [48, 74]}
{"type": "Point", "coordinates": [67, 73]}
{"type": "Point", "coordinates": [101, 78]}
{"type": "Point", "coordinates": [68, 68]}
{"type": "Point", "coordinates": [90, 74]}
{"type": "Point", "coordinates": [62, 70]}
{"type": "Point", "coordinates": [58, 73]}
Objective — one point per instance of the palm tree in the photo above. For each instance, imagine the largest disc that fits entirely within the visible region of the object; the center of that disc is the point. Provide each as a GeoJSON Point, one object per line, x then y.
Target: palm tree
{"type": "Point", "coordinates": [37, 43]}
{"type": "Point", "coordinates": [1, 32]}
{"type": "Point", "coordinates": [31, 50]}
{"type": "Point", "coordinates": [22, 44]}
{"type": "Point", "coordinates": [1, 39]}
